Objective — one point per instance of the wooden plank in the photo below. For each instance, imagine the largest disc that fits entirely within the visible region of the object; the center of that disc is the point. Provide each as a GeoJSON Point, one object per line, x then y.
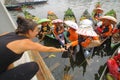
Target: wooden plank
{"type": "Point", "coordinates": [44, 71]}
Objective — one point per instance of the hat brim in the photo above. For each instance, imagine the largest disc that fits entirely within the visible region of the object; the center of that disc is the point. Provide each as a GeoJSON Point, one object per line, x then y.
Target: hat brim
{"type": "Point", "coordinates": [98, 10]}
{"type": "Point", "coordinates": [109, 18]}
{"type": "Point", "coordinates": [71, 24]}
{"type": "Point", "coordinates": [43, 20]}
{"type": "Point", "coordinates": [57, 21]}
{"type": "Point", "coordinates": [86, 32]}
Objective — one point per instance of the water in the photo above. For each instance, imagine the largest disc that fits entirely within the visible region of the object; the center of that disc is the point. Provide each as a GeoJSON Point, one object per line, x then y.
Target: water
{"type": "Point", "coordinates": [78, 7]}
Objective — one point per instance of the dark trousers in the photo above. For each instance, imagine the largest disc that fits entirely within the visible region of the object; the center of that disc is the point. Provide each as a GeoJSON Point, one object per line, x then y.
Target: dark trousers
{"type": "Point", "coordinates": [22, 72]}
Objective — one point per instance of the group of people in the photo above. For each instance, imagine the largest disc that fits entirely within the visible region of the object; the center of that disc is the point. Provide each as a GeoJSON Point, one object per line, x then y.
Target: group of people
{"type": "Point", "coordinates": [14, 44]}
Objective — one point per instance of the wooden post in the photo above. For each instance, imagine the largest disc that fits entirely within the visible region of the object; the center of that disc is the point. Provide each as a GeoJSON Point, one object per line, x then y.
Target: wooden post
{"type": "Point", "coordinates": [44, 71]}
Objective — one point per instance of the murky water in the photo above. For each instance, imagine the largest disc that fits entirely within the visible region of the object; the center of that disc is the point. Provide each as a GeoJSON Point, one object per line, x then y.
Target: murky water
{"type": "Point", "coordinates": [78, 7]}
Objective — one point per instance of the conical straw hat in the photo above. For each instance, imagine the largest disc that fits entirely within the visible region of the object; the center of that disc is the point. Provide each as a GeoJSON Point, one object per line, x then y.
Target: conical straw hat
{"type": "Point", "coordinates": [86, 31]}
{"type": "Point", "coordinates": [57, 21]}
{"type": "Point", "coordinates": [110, 18]}
{"type": "Point", "coordinates": [98, 10]}
{"type": "Point", "coordinates": [43, 20]}
{"type": "Point", "coordinates": [71, 24]}
{"type": "Point", "coordinates": [86, 22]}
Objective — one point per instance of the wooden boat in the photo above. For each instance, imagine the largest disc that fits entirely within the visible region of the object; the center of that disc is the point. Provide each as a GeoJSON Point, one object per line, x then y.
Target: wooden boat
{"type": "Point", "coordinates": [69, 15]}
{"type": "Point", "coordinates": [13, 7]}
{"type": "Point", "coordinates": [44, 73]}
{"type": "Point", "coordinates": [30, 2]}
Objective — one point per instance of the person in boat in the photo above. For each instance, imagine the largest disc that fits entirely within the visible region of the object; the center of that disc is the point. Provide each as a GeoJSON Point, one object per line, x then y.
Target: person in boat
{"type": "Point", "coordinates": [59, 30]}
{"type": "Point", "coordinates": [105, 30]}
{"type": "Point", "coordinates": [44, 29]}
{"type": "Point", "coordinates": [116, 29]}
{"type": "Point", "coordinates": [98, 13]}
{"type": "Point", "coordinates": [87, 38]}
{"type": "Point", "coordinates": [14, 44]}
{"type": "Point", "coordinates": [113, 65]}
{"type": "Point", "coordinates": [71, 36]}
{"type": "Point", "coordinates": [87, 35]}
{"type": "Point", "coordinates": [116, 33]}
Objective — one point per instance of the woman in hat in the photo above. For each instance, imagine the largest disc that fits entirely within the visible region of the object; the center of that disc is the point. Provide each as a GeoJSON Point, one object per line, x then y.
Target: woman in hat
{"type": "Point", "coordinates": [71, 35]}
{"type": "Point", "coordinates": [86, 35]}
{"type": "Point", "coordinates": [106, 28]}
{"type": "Point", "coordinates": [58, 30]}
{"type": "Point", "coordinates": [98, 13]}
{"type": "Point", "coordinates": [12, 47]}
{"type": "Point", "coordinates": [44, 29]}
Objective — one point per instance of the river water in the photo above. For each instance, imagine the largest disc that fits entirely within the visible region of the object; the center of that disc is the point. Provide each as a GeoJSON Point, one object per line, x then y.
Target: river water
{"type": "Point", "coordinates": [78, 7]}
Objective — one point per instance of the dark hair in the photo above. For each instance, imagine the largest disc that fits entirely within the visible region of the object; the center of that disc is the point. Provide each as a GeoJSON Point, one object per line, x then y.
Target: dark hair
{"type": "Point", "coordinates": [24, 25]}
{"type": "Point", "coordinates": [118, 25]}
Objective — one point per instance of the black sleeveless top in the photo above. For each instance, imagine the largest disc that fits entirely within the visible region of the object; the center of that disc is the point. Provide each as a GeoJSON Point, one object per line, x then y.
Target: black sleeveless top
{"type": "Point", "coordinates": [6, 55]}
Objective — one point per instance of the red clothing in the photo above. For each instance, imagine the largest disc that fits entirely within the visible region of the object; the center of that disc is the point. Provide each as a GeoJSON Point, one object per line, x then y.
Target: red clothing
{"type": "Point", "coordinates": [113, 66]}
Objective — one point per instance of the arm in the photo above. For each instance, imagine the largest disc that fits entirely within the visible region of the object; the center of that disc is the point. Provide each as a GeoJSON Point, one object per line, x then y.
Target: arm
{"type": "Point", "coordinates": [3, 33]}
{"type": "Point", "coordinates": [30, 45]}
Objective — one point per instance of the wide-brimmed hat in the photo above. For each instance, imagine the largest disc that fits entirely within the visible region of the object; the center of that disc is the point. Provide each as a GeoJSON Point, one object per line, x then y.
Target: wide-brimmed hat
{"type": "Point", "coordinates": [86, 31]}
{"type": "Point", "coordinates": [43, 20]}
{"type": "Point", "coordinates": [57, 21]}
{"type": "Point", "coordinates": [86, 22]}
{"type": "Point", "coordinates": [98, 9]}
{"type": "Point", "coordinates": [71, 24]}
{"type": "Point", "coordinates": [110, 18]}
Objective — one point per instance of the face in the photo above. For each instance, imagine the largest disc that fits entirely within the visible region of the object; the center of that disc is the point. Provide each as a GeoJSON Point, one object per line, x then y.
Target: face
{"type": "Point", "coordinates": [33, 33]}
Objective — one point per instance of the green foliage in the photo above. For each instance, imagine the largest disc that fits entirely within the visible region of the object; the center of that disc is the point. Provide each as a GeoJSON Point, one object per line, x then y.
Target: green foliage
{"type": "Point", "coordinates": [69, 15]}
{"type": "Point", "coordinates": [30, 16]}
{"type": "Point", "coordinates": [69, 12]}
{"type": "Point", "coordinates": [85, 15]}
{"type": "Point", "coordinates": [111, 13]}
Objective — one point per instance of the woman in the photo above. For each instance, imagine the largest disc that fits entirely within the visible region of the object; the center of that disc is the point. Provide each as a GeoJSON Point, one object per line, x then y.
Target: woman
{"type": "Point", "coordinates": [12, 47]}
{"type": "Point", "coordinates": [106, 28]}
{"type": "Point", "coordinates": [72, 36]}
{"type": "Point", "coordinates": [45, 28]}
{"type": "Point", "coordinates": [58, 30]}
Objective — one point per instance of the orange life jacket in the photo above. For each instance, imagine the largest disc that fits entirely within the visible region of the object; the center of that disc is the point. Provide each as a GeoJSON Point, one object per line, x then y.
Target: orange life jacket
{"type": "Point", "coordinates": [86, 42]}
{"type": "Point", "coordinates": [73, 35]}
{"type": "Point", "coordinates": [108, 33]}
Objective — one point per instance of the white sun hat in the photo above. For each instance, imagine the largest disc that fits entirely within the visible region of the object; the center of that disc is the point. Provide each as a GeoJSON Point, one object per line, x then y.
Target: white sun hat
{"type": "Point", "coordinates": [57, 21]}
{"type": "Point", "coordinates": [86, 31]}
{"type": "Point", "coordinates": [110, 18]}
{"type": "Point", "coordinates": [86, 22]}
{"type": "Point", "coordinates": [71, 24]}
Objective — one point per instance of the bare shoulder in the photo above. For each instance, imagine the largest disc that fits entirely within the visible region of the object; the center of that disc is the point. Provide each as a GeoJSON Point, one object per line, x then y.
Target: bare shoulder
{"type": "Point", "coordinates": [4, 33]}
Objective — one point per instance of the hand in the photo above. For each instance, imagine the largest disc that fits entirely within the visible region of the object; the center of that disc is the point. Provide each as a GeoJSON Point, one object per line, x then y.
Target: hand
{"type": "Point", "coordinates": [63, 50]}
{"type": "Point", "coordinates": [68, 45]}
